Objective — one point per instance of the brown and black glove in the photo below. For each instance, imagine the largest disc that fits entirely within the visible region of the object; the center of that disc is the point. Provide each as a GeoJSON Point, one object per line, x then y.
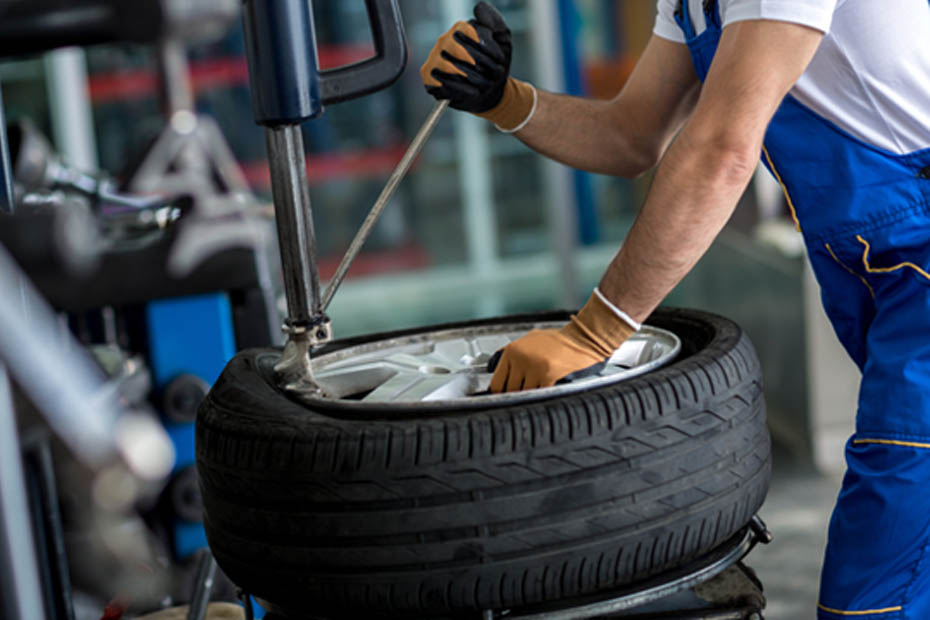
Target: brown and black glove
{"type": "Point", "coordinates": [545, 356]}
{"type": "Point", "coordinates": [470, 67]}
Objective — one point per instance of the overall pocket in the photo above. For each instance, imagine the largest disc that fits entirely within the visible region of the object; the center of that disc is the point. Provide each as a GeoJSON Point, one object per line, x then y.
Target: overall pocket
{"type": "Point", "coordinates": [847, 296]}
{"type": "Point", "coordinates": [903, 249]}
{"type": "Point", "coordinates": [893, 260]}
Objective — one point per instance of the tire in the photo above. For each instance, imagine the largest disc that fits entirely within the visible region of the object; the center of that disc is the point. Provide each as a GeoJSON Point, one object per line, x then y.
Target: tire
{"type": "Point", "coordinates": [439, 514]}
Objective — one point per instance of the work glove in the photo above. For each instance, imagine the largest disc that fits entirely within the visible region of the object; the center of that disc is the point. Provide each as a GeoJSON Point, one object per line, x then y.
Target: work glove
{"type": "Point", "coordinates": [470, 67]}
{"type": "Point", "coordinates": [545, 356]}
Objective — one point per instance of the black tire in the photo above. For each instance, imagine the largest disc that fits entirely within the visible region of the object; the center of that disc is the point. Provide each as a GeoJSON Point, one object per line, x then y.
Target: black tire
{"type": "Point", "coordinates": [441, 514]}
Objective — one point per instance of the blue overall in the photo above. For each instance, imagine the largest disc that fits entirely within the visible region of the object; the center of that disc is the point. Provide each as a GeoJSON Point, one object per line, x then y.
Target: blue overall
{"type": "Point", "coordinates": [865, 216]}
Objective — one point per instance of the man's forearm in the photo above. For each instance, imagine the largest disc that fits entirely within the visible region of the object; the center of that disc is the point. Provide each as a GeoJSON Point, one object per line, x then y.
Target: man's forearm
{"type": "Point", "coordinates": [585, 134]}
{"type": "Point", "coordinates": [696, 189]}
{"type": "Point", "coordinates": [627, 135]}
{"type": "Point", "coordinates": [710, 164]}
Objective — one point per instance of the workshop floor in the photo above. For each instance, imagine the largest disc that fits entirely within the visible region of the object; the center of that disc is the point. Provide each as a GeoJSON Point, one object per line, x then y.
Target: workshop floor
{"type": "Point", "coordinates": [797, 512]}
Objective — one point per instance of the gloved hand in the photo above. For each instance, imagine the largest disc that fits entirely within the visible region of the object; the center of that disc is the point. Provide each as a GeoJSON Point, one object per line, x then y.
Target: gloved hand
{"type": "Point", "coordinates": [544, 356]}
{"type": "Point", "coordinates": [470, 66]}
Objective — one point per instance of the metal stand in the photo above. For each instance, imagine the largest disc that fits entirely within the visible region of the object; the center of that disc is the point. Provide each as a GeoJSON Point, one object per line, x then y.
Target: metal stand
{"type": "Point", "coordinates": [47, 525]}
{"type": "Point", "coordinates": [676, 594]}
{"type": "Point", "coordinates": [190, 156]}
{"type": "Point", "coordinates": [206, 576]}
{"type": "Point", "coordinates": [20, 582]}
{"type": "Point", "coordinates": [716, 586]}
{"type": "Point", "coordinates": [246, 600]}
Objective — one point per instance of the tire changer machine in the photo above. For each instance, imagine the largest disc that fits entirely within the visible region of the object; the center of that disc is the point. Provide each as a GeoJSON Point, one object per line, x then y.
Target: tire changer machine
{"type": "Point", "coordinates": [208, 289]}
{"type": "Point", "coordinates": [288, 89]}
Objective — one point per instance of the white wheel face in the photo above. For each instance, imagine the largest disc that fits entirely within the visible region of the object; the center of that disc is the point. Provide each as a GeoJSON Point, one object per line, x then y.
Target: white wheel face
{"type": "Point", "coordinates": [449, 367]}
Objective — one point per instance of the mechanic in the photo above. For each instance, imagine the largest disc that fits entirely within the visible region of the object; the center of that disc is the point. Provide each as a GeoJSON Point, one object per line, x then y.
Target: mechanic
{"type": "Point", "coordinates": [835, 94]}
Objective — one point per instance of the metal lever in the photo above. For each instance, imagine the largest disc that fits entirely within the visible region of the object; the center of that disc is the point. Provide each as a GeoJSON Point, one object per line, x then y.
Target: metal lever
{"type": "Point", "coordinates": [393, 181]}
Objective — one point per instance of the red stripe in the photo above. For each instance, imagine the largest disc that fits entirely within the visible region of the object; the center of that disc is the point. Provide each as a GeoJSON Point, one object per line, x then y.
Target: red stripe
{"type": "Point", "coordinates": [327, 167]}
{"type": "Point", "coordinates": [410, 257]}
{"type": "Point", "coordinates": [206, 74]}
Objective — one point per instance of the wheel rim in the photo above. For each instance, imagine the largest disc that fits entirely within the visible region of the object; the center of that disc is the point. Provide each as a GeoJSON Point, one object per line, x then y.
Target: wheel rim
{"type": "Point", "coordinates": [448, 368]}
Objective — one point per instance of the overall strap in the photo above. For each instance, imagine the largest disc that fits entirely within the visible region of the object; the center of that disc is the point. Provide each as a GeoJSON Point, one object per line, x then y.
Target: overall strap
{"type": "Point", "coordinates": [712, 14]}
{"type": "Point", "coordinates": [683, 17]}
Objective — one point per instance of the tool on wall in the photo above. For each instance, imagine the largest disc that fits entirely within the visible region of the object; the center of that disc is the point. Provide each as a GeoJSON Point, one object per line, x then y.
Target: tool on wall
{"type": "Point", "coordinates": [288, 88]}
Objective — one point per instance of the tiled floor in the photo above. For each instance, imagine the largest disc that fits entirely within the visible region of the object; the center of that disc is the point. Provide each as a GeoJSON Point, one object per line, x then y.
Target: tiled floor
{"type": "Point", "coordinates": [797, 511]}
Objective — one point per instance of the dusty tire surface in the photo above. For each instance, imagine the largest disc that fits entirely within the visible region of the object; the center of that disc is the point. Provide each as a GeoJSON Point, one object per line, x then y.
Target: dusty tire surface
{"type": "Point", "coordinates": [439, 514]}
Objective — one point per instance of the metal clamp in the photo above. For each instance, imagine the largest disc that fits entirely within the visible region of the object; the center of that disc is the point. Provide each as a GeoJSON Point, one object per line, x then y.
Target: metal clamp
{"type": "Point", "coordinates": [295, 369]}
{"type": "Point", "coordinates": [761, 530]}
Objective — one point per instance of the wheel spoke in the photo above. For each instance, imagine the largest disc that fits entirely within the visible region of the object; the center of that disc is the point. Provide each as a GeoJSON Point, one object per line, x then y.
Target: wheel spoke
{"type": "Point", "coordinates": [358, 379]}
{"type": "Point", "coordinates": [392, 389]}
{"type": "Point", "coordinates": [629, 353]}
{"type": "Point", "coordinates": [418, 388]}
{"type": "Point", "coordinates": [440, 387]}
{"type": "Point", "coordinates": [404, 362]}
{"type": "Point", "coordinates": [452, 351]}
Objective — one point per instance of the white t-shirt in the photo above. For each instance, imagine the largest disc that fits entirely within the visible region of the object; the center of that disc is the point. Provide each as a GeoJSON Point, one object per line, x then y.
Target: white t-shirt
{"type": "Point", "coordinates": [871, 74]}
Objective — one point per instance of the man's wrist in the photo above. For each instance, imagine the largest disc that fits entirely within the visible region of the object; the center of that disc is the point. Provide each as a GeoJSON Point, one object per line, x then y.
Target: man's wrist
{"type": "Point", "coordinates": [516, 107]}
{"type": "Point", "coordinates": [599, 327]}
{"type": "Point", "coordinates": [626, 318]}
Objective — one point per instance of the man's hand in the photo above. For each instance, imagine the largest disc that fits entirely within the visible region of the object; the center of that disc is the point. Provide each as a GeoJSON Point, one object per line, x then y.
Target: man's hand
{"type": "Point", "coordinates": [470, 67]}
{"type": "Point", "coordinates": [544, 356]}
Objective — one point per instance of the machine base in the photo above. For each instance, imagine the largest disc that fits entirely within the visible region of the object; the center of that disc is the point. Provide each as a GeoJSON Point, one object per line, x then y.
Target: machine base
{"type": "Point", "coordinates": [717, 586]}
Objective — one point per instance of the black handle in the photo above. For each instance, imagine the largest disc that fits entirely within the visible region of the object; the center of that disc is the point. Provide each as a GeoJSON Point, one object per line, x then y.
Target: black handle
{"type": "Point", "coordinates": [286, 84]}
{"type": "Point", "coordinates": [380, 71]}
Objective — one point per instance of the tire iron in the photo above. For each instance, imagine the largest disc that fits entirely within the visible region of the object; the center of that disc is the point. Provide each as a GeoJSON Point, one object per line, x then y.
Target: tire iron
{"type": "Point", "coordinates": [400, 171]}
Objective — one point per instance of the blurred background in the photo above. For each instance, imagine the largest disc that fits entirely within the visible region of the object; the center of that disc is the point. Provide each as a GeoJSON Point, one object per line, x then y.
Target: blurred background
{"type": "Point", "coordinates": [481, 226]}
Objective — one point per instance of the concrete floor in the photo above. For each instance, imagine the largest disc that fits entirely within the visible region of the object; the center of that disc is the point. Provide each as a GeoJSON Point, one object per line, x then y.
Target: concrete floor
{"type": "Point", "coordinates": [797, 512]}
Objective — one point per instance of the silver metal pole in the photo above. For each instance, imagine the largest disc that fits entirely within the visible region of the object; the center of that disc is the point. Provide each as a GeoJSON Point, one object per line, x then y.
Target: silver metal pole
{"type": "Point", "coordinates": [479, 218]}
{"type": "Point", "coordinates": [20, 589]}
{"type": "Point", "coordinates": [396, 176]}
{"type": "Point", "coordinates": [177, 92]}
{"type": "Point", "coordinates": [562, 206]}
{"type": "Point", "coordinates": [69, 388]}
{"type": "Point", "coordinates": [294, 219]}
{"type": "Point", "coordinates": [69, 104]}
{"type": "Point", "coordinates": [203, 587]}
{"type": "Point", "coordinates": [6, 167]}
{"type": "Point", "coordinates": [305, 325]}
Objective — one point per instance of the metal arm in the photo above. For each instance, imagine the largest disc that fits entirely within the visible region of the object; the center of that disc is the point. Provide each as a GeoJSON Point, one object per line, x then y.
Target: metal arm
{"type": "Point", "coordinates": [287, 89]}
